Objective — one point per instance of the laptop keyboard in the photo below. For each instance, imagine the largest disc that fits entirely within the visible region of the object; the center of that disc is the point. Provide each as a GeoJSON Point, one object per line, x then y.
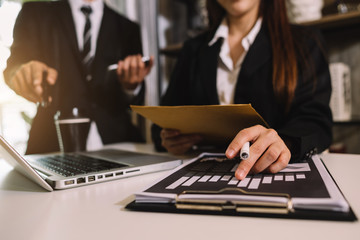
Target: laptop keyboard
{"type": "Point", "coordinates": [74, 164]}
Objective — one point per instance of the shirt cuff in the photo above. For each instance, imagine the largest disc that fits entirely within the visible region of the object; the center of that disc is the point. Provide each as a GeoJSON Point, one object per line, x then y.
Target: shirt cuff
{"type": "Point", "coordinates": [135, 92]}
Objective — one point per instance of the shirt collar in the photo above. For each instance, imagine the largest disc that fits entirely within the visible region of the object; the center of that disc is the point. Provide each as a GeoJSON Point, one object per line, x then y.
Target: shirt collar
{"type": "Point", "coordinates": [97, 6]}
{"type": "Point", "coordinates": [250, 38]}
{"type": "Point", "coordinates": [223, 32]}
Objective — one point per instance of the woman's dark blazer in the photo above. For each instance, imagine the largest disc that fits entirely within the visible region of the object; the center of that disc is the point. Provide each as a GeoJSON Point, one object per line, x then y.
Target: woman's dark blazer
{"type": "Point", "coordinates": [307, 125]}
{"type": "Point", "coordinates": [45, 32]}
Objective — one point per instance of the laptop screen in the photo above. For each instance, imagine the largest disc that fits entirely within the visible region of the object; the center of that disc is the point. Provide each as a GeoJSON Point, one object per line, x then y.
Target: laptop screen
{"type": "Point", "coordinates": [9, 154]}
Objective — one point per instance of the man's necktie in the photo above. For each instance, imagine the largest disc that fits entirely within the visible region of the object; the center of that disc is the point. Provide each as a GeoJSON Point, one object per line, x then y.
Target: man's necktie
{"type": "Point", "coordinates": [86, 53]}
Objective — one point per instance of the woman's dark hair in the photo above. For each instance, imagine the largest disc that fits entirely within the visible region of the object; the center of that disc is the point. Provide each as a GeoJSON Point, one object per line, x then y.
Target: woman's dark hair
{"type": "Point", "coordinates": [285, 68]}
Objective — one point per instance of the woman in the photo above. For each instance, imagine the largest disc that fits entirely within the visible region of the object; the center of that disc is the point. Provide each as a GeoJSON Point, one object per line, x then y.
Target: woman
{"type": "Point", "coordinates": [251, 54]}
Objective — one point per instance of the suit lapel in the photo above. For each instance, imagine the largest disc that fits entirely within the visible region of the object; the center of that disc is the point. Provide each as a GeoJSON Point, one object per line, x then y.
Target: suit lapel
{"type": "Point", "coordinates": [208, 63]}
{"type": "Point", "coordinates": [104, 36]}
{"type": "Point", "coordinates": [68, 28]}
{"type": "Point", "coordinates": [259, 54]}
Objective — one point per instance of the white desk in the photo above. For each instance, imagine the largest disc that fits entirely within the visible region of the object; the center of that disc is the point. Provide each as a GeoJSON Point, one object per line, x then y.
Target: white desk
{"type": "Point", "coordinates": [97, 211]}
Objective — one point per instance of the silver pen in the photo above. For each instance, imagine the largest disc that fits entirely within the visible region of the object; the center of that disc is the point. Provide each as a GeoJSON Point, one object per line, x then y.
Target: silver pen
{"type": "Point", "coordinates": [114, 66]}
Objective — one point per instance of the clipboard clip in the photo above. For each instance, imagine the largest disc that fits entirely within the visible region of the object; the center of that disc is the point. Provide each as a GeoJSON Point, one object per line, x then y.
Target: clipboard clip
{"type": "Point", "coordinates": [196, 200]}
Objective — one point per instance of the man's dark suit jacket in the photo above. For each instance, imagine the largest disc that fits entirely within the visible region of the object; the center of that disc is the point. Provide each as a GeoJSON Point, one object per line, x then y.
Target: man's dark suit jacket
{"type": "Point", "coordinates": [45, 31]}
{"type": "Point", "coordinates": [308, 123]}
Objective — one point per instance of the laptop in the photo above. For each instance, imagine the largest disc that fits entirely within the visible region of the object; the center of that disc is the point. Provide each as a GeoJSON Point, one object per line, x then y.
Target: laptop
{"type": "Point", "coordinates": [62, 171]}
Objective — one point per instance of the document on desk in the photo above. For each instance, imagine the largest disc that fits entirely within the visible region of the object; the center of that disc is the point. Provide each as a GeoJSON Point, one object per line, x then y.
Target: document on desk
{"type": "Point", "coordinates": [216, 123]}
{"type": "Point", "coordinates": [208, 183]}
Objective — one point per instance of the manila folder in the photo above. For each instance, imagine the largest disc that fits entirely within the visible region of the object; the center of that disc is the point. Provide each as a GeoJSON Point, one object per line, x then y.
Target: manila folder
{"type": "Point", "coordinates": [218, 124]}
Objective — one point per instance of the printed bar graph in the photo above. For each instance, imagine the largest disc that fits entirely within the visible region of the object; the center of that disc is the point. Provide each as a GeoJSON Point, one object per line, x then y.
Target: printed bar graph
{"type": "Point", "coordinates": [250, 182]}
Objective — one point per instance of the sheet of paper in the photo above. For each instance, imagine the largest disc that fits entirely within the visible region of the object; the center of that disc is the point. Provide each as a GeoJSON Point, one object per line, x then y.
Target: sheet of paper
{"type": "Point", "coordinates": [218, 124]}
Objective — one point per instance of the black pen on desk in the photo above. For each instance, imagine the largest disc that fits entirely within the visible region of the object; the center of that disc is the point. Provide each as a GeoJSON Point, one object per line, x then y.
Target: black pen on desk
{"type": "Point", "coordinates": [245, 151]}
{"type": "Point", "coordinates": [145, 60]}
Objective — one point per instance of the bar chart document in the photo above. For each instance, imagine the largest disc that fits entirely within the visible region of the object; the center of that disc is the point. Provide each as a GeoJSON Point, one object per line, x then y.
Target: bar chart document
{"type": "Point", "coordinates": [207, 183]}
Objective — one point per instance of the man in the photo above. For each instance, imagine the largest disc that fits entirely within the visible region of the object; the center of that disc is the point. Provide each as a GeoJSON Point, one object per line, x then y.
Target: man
{"type": "Point", "coordinates": [75, 42]}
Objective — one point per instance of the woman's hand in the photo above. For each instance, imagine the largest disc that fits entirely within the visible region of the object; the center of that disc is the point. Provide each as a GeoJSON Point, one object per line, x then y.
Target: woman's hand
{"type": "Point", "coordinates": [268, 151]}
{"type": "Point", "coordinates": [132, 70]}
{"type": "Point", "coordinates": [177, 143]}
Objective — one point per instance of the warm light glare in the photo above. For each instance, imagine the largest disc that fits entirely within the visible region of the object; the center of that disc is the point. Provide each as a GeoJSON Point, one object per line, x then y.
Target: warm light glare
{"type": "Point", "coordinates": [12, 125]}
{"type": "Point", "coordinates": [8, 13]}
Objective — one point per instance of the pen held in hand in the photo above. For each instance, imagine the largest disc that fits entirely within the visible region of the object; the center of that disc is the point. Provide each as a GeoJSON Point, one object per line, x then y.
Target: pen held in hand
{"type": "Point", "coordinates": [45, 88]}
{"type": "Point", "coordinates": [145, 60]}
{"type": "Point", "coordinates": [245, 151]}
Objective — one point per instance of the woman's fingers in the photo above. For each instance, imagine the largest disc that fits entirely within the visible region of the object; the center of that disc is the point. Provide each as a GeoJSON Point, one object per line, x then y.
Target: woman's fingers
{"type": "Point", "coordinates": [267, 151]}
{"type": "Point", "coordinates": [177, 143]}
{"type": "Point", "coordinates": [169, 133]}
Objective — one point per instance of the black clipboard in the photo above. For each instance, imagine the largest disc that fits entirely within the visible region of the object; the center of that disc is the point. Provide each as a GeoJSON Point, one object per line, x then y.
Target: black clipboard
{"type": "Point", "coordinates": [213, 206]}
{"type": "Point", "coordinates": [314, 215]}
{"type": "Point", "coordinates": [295, 214]}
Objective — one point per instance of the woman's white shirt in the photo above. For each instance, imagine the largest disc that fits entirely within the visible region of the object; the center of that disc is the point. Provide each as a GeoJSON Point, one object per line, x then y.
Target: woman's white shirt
{"type": "Point", "coordinates": [227, 71]}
